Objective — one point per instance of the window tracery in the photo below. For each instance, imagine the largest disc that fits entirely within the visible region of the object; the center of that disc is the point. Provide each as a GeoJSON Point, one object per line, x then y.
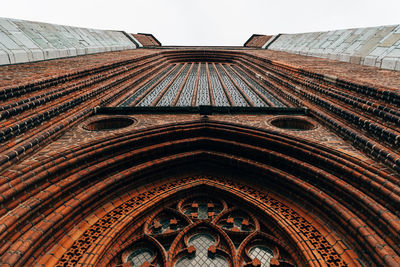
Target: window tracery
{"type": "Point", "coordinates": [141, 256]}
{"type": "Point", "coordinates": [262, 254]}
{"type": "Point", "coordinates": [237, 221]}
{"type": "Point", "coordinates": [201, 207]}
{"type": "Point", "coordinates": [165, 222]}
{"type": "Point", "coordinates": [203, 244]}
{"type": "Point", "coordinates": [206, 231]}
{"type": "Point", "coordinates": [145, 253]}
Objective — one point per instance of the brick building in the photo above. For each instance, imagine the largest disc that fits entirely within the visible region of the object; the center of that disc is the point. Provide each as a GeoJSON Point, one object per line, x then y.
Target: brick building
{"type": "Point", "coordinates": [194, 156]}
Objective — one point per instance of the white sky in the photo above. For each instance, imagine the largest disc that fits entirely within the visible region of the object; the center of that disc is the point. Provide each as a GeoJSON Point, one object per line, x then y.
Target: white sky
{"type": "Point", "coordinates": [207, 22]}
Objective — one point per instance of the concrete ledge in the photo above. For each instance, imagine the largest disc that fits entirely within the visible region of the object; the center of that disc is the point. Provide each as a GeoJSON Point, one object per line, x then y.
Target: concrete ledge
{"type": "Point", "coordinates": [27, 41]}
{"type": "Point", "coordinates": [374, 46]}
{"type": "Point", "coordinates": [202, 110]}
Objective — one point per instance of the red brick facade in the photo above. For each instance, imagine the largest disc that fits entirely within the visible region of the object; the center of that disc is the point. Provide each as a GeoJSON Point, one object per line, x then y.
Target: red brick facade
{"type": "Point", "coordinates": [257, 40]}
{"type": "Point", "coordinates": [87, 181]}
{"type": "Point", "coordinates": [146, 39]}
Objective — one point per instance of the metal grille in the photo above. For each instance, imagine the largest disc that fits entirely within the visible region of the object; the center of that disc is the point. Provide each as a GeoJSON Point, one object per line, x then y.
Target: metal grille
{"type": "Point", "coordinates": [140, 256]}
{"type": "Point", "coordinates": [186, 97]}
{"type": "Point", "coordinates": [202, 242]}
{"type": "Point", "coordinates": [132, 98]}
{"type": "Point", "coordinates": [219, 94]}
{"type": "Point", "coordinates": [203, 95]}
{"type": "Point", "coordinates": [236, 96]}
{"type": "Point", "coordinates": [157, 90]}
{"type": "Point", "coordinates": [259, 88]}
{"type": "Point", "coordinates": [169, 96]}
{"type": "Point", "coordinates": [258, 102]}
{"type": "Point", "coordinates": [264, 254]}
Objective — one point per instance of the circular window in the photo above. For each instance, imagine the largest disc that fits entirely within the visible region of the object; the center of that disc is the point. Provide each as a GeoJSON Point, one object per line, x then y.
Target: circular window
{"type": "Point", "coordinates": [109, 124]}
{"type": "Point", "coordinates": [295, 124]}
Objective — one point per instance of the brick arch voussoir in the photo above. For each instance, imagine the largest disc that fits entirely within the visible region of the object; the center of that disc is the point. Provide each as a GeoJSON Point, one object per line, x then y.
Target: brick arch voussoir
{"type": "Point", "coordinates": [299, 242]}
{"type": "Point", "coordinates": [93, 158]}
{"type": "Point", "coordinates": [344, 216]}
{"type": "Point", "coordinates": [364, 175]}
{"type": "Point", "coordinates": [154, 242]}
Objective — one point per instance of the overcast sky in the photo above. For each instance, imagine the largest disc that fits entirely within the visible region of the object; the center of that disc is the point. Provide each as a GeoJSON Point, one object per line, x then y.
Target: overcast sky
{"type": "Point", "coordinates": [207, 22]}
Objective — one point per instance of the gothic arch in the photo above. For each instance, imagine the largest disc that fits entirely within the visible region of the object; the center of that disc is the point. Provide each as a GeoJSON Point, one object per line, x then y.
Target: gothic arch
{"type": "Point", "coordinates": [322, 185]}
{"type": "Point", "coordinates": [285, 222]}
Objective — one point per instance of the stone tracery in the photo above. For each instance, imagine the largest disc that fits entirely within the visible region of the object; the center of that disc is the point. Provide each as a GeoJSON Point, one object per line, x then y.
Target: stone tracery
{"type": "Point", "coordinates": [231, 246]}
{"type": "Point", "coordinates": [199, 244]}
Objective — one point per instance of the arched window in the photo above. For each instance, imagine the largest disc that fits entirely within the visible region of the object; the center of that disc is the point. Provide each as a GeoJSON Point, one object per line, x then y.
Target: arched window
{"type": "Point", "coordinates": [206, 231]}
{"type": "Point", "coordinates": [261, 253]}
{"type": "Point", "coordinates": [140, 256]}
{"type": "Point", "coordinates": [202, 243]}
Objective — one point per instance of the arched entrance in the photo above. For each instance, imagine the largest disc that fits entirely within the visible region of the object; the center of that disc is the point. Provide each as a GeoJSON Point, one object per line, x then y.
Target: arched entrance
{"type": "Point", "coordinates": [99, 198]}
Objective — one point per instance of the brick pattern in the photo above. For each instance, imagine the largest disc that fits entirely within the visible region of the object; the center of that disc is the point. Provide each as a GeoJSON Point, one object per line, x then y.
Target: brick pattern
{"type": "Point", "coordinates": [66, 186]}
{"type": "Point", "coordinates": [35, 111]}
{"type": "Point", "coordinates": [365, 115]}
{"type": "Point", "coordinates": [356, 75]}
{"type": "Point", "coordinates": [257, 40]}
{"type": "Point", "coordinates": [78, 136]}
{"type": "Point", "coordinates": [53, 191]}
{"type": "Point", "coordinates": [284, 214]}
{"type": "Point", "coordinates": [147, 40]}
{"type": "Point", "coordinates": [358, 108]}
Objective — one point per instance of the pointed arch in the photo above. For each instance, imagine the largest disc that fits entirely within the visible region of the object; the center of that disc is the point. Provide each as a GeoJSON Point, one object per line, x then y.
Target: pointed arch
{"type": "Point", "coordinates": [277, 246]}
{"type": "Point", "coordinates": [162, 228]}
{"type": "Point", "coordinates": [271, 207]}
{"type": "Point", "coordinates": [303, 175]}
{"type": "Point", "coordinates": [151, 247]}
{"type": "Point", "coordinates": [173, 254]}
{"type": "Point", "coordinates": [251, 221]}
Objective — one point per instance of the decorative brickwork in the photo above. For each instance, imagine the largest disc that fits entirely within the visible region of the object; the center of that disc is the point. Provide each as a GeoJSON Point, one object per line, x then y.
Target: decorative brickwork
{"type": "Point", "coordinates": [296, 161]}
{"type": "Point", "coordinates": [257, 40]}
{"type": "Point", "coordinates": [152, 196]}
{"type": "Point", "coordinates": [146, 39]}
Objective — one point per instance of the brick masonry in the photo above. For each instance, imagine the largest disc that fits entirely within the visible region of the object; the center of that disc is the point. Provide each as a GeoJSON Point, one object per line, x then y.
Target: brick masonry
{"type": "Point", "coordinates": [257, 40]}
{"type": "Point", "coordinates": [146, 39]}
{"type": "Point", "coordinates": [78, 135]}
{"type": "Point", "coordinates": [78, 197]}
